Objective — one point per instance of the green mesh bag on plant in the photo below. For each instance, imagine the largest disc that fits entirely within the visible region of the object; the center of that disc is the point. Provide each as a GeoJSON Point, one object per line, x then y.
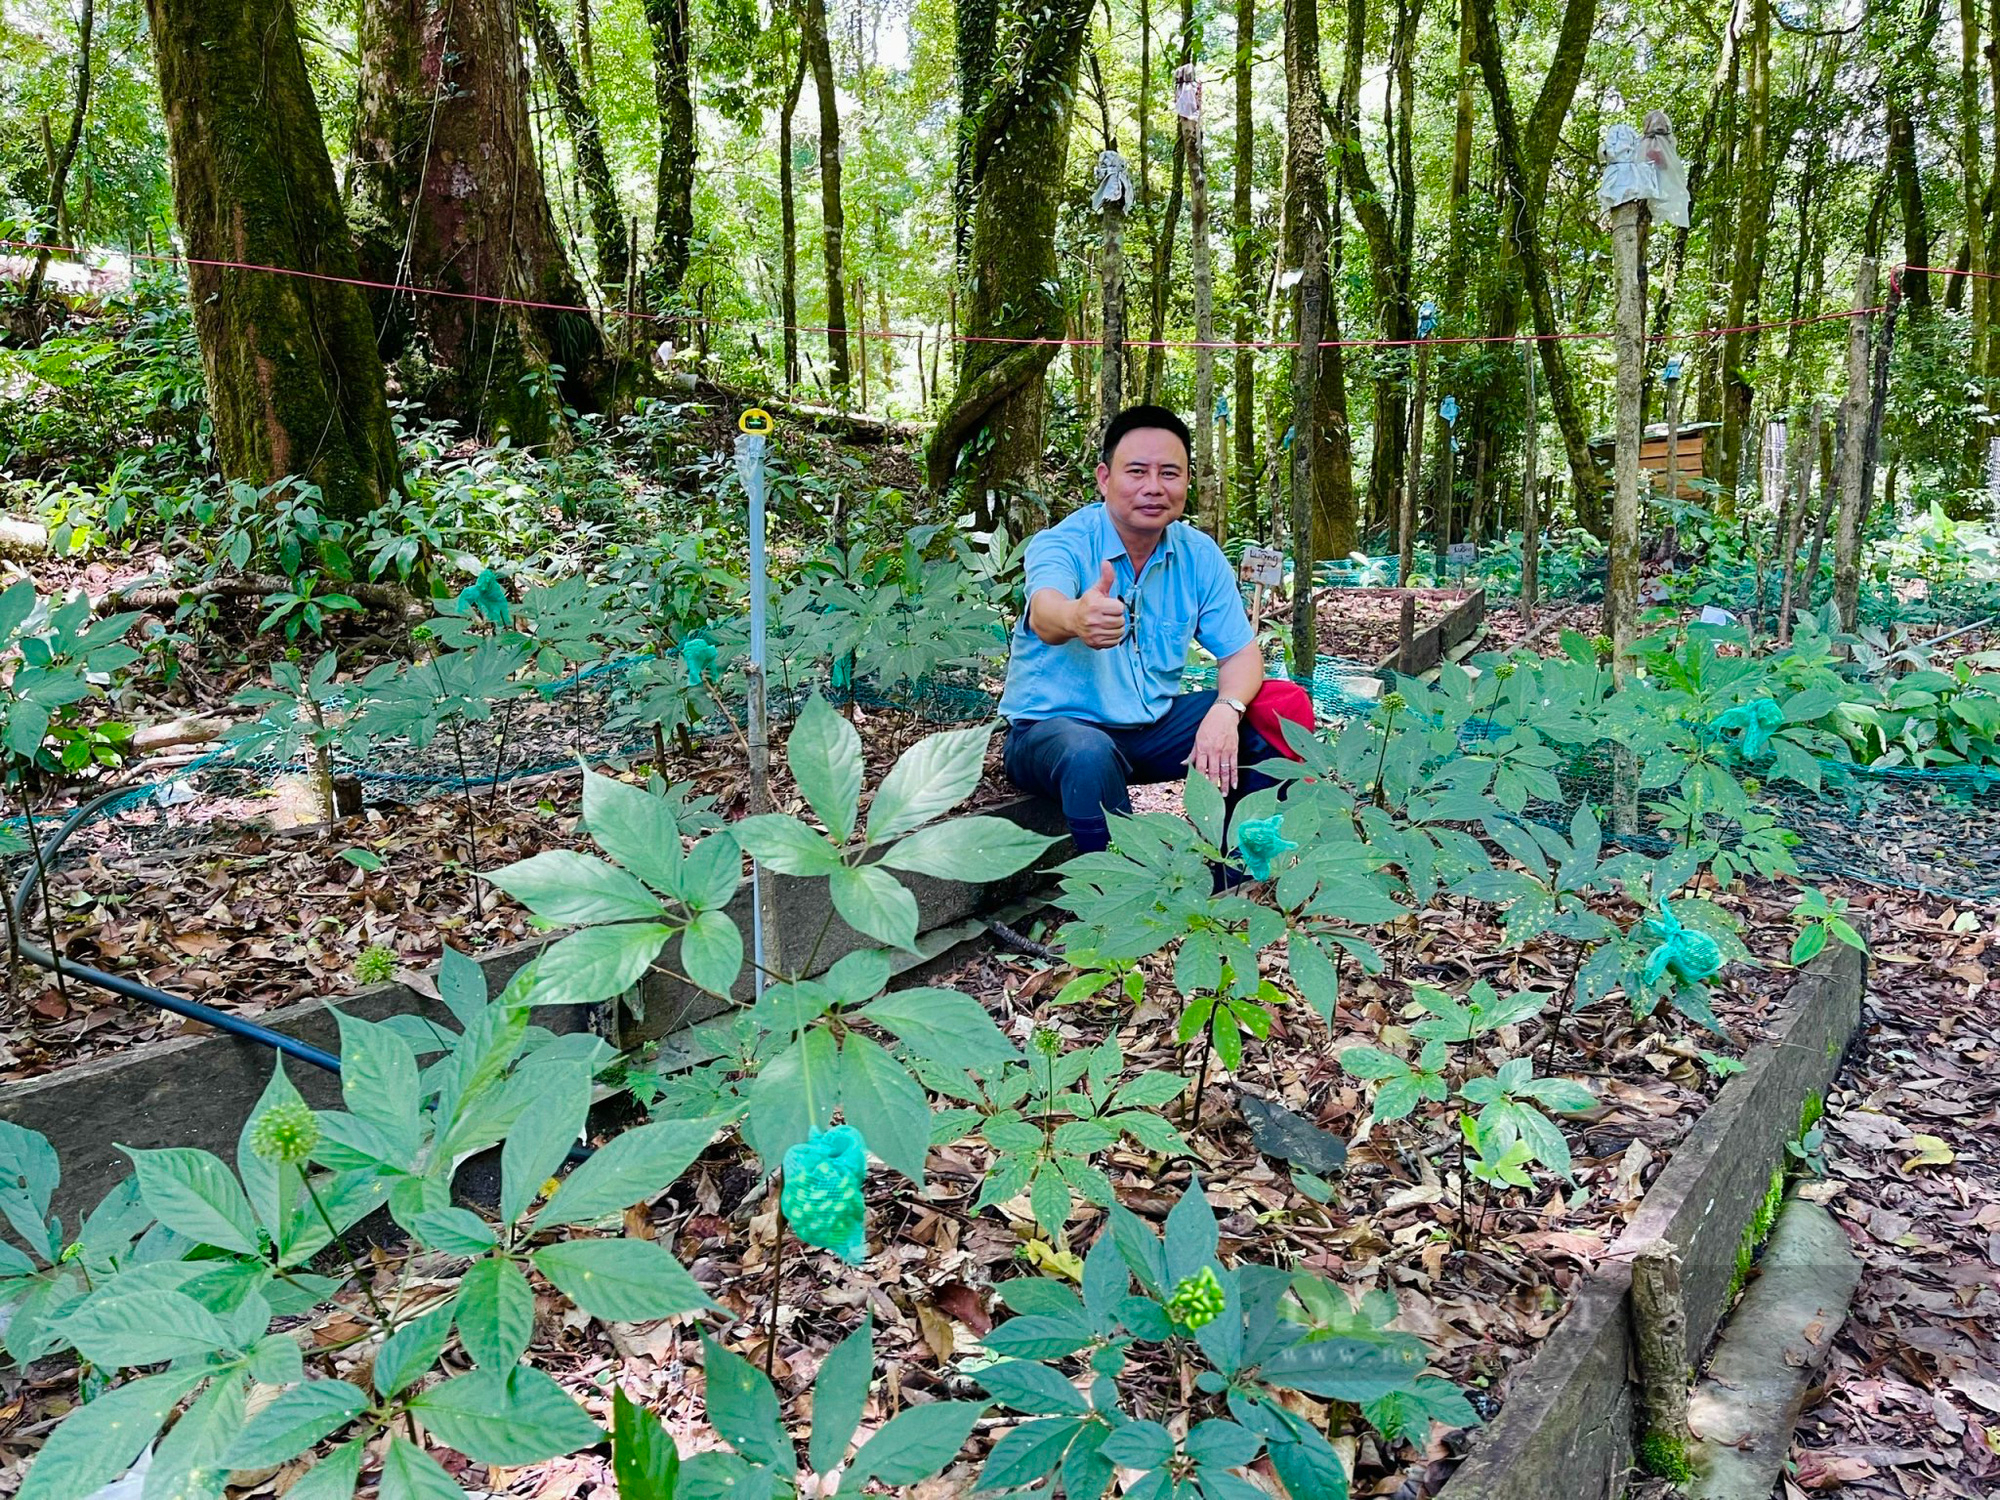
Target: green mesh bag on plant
{"type": "Point", "coordinates": [1690, 956]}
{"type": "Point", "coordinates": [822, 1197]}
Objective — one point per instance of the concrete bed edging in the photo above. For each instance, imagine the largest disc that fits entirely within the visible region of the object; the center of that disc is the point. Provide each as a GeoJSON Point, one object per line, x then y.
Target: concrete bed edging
{"type": "Point", "coordinates": [197, 1090]}
{"type": "Point", "coordinates": [1567, 1429]}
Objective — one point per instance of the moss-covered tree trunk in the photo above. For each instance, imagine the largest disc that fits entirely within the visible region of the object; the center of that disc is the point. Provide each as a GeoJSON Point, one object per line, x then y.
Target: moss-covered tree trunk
{"type": "Point", "coordinates": [1753, 201]}
{"type": "Point", "coordinates": [1586, 474]}
{"type": "Point", "coordinates": [833, 217]}
{"type": "Point", "coordinates": [975, 24]}
{"type": "Point", "coordinates": [1322, 421]}
{"type": "Point", "coordinates": [1020, 151]}
{"type": "Point", "coordinates": [673, 181]}
{"type": "Point", "coordinates": [449, 197]}
{"type": "Point", "coordinates": [294, 381]}
{"type": "Point", "coordinates": [607, 223]}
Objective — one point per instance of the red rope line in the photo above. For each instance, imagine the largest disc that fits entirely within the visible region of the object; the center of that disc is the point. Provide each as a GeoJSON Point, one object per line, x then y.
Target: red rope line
{"type": "Point", "coordinates": [863, 333]}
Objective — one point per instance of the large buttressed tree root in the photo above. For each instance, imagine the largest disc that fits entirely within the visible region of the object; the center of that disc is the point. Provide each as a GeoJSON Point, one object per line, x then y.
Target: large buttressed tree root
{"type": "Point", "coordinates": [449, 196]}
{"type": "Point", "coordinates": [295, 384]}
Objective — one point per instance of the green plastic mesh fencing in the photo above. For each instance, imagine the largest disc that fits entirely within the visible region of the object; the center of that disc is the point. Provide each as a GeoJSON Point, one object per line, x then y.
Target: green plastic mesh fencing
{"type": "Point", "coordinates": [1935, 830]}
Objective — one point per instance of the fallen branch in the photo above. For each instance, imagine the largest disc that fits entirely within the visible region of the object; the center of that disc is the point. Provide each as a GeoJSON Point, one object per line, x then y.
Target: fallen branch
{"type": "Point", "coordinates": [854, 425]}
{"type": "Point", "coordinates": [150, 739]}
{"type": "Point", "coordinates": [22, 538]}
{"type": "Point", "coordinates": [1548, 623]}
{"type": "Point", "coordinates": [156, 597]}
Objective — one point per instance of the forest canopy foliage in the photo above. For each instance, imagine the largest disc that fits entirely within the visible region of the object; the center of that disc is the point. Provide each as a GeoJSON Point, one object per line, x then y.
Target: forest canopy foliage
{"type": "Point", "coordinates": [757, 155]}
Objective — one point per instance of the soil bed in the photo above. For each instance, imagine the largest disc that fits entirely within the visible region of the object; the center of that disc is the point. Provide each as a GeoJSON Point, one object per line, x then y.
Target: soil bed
{"type": "Point", "coordinates": [930, 1277]}
{"type": "Point", "coordinates": [1363, 624]}
{"type": "Point", "coordinates": [1391, 1222]}
{"type": "Point", "coordinates": [1505, 629]}
{"type": "Point", "coordinates": [243, 900]}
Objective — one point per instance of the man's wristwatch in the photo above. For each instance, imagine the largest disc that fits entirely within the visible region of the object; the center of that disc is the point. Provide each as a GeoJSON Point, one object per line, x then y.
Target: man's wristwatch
{"type": "Point", "coordinates": [1235, 703]}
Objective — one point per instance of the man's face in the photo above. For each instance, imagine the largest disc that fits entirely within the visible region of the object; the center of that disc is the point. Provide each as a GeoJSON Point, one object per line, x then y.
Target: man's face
{"type": "Point", "coordinates": [1145, 485]}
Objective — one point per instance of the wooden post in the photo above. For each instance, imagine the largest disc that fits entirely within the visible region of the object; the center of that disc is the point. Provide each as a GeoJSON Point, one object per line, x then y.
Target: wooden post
{"type": "Point", "coordinates": [1659, 1329]}
{"type": "Point", "coordinates": [1413, 463]}
{"type": "Point", "coordinates": [1222, 485]}
{"type": "Point", "coordinates": [1115, 187]}
{"type": "Point", "coordinates": [1853, 453]}
{"type": "Point", "coordinates": [632, 292]}
{"type": "Point", "coordinates": [1406, 631]}
{"type": "Point", "coordinates": [1621, 583]}
{"type": "Point", "coordinates": [1531, 500]}
{"type": "Point", "coordinates": [861, 334]}
{"type": "Point", "coordinates": [1447, 462]}
{"type": "Point", "coordinates": [1673, 384]}
{"type": "Point", "coordinates": [1305, 426]}
{"type": "Point", "coordinates": [1799, 500]}
{"type": "Point", "coordinates": [1829, 486]}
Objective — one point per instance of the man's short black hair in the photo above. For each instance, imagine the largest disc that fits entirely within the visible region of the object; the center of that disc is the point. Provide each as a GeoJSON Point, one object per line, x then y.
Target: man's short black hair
{"type": "Point", "coordinates": [1137, 418]}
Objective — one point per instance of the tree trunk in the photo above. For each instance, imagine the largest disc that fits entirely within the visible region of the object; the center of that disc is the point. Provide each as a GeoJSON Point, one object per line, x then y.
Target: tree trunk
{"type": "Point", "coordinates": [1586, 474]}
{"type": "Point", "coordinates": [1390, 273]}
{"type": "Point", "coordinates": [1461, 172]}
{"type": "Point", "coordinates": [819, 54]}
{"type": "Point", "coordinates": [1207, 468]}
{"type": "Point", "coordinates": [1753, 195]}
{"type": "Point", "coordinates": [586, 53]}
{"type": "Point", "coordinates": [294, 382]}
{"type": "Point", "coordinates": [668, 25]}
{"type": "Point", "coordinates": [1970, 120]}
{"type": "Point", "coordinates": [788, 291]}
{"type": "Point", "coordinates": [1245, 402]}
{"type": "Point", "coordinates": [607, 223]}
{"type": "Point", "coordinates": [1019, 154]}
{"type": "Point", "coordinates": [60, 163]}
{"type": "Point", "coordinates": [449, 198]}
{"type": "Point", "coordinates": [1901, 130]}
{"type": "Point", "coordinates": [1163, 242]}
{"type": "Point", "coordinates": [1333, 462]}
{"type": "Point", "coordinates": [1853, 456]}
{"type": "Point", "coordinates": [974, 23]}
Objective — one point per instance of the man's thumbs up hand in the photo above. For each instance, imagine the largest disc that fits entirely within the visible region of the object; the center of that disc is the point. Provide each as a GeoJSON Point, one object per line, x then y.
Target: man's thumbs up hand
{"type": "Point", "coordinates": [1100, 618]}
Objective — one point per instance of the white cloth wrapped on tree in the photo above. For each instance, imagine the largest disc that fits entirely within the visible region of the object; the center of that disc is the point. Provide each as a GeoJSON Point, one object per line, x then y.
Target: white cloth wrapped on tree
{"type": "Point", "coordinates": [1626, 178]}
{"type": "Point", "coordinates": [1114, 182]}
{"type": "Point", "coordinates": [1669, 200]}
{"type": "Point", "coordinates": [1187, 92]}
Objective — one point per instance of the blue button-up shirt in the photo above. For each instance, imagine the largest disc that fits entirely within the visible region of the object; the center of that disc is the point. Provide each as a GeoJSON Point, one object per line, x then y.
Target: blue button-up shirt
{"type": "Point", "coordinates": [1186, 592]}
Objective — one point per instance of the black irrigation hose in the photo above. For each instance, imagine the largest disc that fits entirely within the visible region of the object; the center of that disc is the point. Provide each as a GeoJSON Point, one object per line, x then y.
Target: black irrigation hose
{"type": "Point", "coordinates": [221, 1020]}
{"type": "Point", "coordinates": [132, 989]}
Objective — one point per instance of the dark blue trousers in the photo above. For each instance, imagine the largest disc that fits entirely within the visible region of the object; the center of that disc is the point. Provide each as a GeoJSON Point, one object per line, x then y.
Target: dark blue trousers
{"type": "Point", "coordinates": [1089, 767]}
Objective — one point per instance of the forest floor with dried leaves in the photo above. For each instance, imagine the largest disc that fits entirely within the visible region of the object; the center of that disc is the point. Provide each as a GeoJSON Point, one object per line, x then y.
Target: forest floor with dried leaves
{"type": "Point", "coordinates": [1916, 1361]}
{"type": "Point", "coordinates": [1909, 1404]}
{"type": "Point", "coordinates": [243, 899]}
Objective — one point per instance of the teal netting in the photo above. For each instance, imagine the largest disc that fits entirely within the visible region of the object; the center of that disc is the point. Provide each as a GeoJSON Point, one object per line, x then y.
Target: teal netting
{"type": "Point", "coordinates": [1934, 830]}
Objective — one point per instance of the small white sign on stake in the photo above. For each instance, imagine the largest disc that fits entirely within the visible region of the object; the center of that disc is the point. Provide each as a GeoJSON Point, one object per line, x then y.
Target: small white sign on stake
{"type": "Point", "coordinates": [1262, 566]}
{"type": "Point", "coordinates": [1462, 554]}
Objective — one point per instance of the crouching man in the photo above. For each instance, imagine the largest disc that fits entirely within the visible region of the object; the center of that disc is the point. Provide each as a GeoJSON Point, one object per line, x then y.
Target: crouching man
{"type": "Point", "coordinates": [1115, 592]}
